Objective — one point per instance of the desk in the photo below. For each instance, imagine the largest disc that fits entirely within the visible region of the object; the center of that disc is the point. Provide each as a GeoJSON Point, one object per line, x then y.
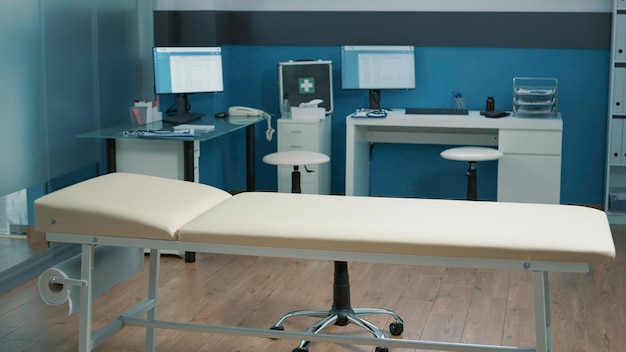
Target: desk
{"type": "Point", "coordinates": [529, 171]}
{"type": "Point", "coordinates": [175, 158]}
{"type": "Point", "coordinates": [170, 157]}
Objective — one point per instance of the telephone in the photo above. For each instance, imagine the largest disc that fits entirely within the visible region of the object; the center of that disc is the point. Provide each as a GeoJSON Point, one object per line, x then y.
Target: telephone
{"type": "Point", "coordinates": [243, 111]}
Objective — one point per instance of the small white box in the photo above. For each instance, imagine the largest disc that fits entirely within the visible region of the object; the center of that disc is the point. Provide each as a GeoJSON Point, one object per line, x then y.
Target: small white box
{"type": "Point", "coordinates": [307, 113]}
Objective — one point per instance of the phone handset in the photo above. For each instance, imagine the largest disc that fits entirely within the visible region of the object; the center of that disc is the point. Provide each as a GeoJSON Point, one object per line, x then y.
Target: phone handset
{"type": "Point", "coordinates": [244, 111]}
{"type": "Point", "coordinates": [251, 112]}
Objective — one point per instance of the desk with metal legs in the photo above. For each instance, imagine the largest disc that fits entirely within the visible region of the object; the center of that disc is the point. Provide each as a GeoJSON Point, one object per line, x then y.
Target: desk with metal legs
{"type": "Point", "coordinates": [175, 158]}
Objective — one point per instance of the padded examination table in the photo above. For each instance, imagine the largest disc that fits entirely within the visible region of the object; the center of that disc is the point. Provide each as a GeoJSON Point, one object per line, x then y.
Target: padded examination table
{"type": "Point", "coordinates": [143, 211]}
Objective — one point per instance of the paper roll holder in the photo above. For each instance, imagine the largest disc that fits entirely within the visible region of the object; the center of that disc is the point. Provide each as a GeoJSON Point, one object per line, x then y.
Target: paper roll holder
{"type": "Point", "coordinates": [55, 280]}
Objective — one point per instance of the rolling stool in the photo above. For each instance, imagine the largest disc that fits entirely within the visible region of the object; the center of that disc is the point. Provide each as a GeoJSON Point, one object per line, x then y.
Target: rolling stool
{"type": "Point", "coordinates": [341, 312]}
{"type": "Point", "coordinates": [471, 155]}
{"type": "Point", "coordinates": [296, 158]}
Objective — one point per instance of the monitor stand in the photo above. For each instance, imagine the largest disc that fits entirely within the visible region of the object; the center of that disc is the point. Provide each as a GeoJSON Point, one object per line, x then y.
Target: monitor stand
{"type": "Point", "coordinates": [182, 114]}
{"type": "Point", "coordinates": [374, 99]}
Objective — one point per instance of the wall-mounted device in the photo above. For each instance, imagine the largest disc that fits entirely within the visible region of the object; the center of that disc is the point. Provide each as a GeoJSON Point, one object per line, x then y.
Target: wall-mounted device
{"type": "Point", "coordinates": [187, 70]}
{"type": "Point", "coordinates": [377, 67]}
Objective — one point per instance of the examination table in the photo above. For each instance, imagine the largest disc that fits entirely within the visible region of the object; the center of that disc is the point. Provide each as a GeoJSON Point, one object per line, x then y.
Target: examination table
{"type": "Point", "coordinates": [129, 210]}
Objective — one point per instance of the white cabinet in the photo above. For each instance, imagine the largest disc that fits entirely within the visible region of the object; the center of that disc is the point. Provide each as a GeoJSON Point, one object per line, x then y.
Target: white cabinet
{"type": "Point", "coordinates": [615, 184]}
{"type": "Point", "coordinates": [310, 135]}
{"type": "Point", "coordinates": [530, 171]}
{"type": "Point", "coordinates": [155, 157]}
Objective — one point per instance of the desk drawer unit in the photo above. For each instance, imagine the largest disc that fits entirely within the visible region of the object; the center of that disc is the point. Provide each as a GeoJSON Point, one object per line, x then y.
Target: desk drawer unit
{"type": "Point", "coordinates": [310, 135]}
{"type": "Point", "coordinates": [530, 170]}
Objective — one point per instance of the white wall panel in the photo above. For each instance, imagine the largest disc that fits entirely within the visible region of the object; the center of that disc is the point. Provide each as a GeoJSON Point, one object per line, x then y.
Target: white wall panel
{"type": "Point", "coordinates": [389, 5]}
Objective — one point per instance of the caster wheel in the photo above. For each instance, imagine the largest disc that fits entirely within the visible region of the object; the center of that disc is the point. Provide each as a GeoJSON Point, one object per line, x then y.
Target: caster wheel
{"type": "Point", "coordinates": [381, 349]}
{"type": "Point", "coordinates": [396, 328]}
{"type": "Point", "coordinates": [300, 349]}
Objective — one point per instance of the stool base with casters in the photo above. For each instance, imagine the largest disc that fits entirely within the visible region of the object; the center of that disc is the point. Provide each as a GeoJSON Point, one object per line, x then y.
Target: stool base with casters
{"type": "Point", "coordinates": [472, 155]}
{"type": "Point", "coordinates": [341, 313]}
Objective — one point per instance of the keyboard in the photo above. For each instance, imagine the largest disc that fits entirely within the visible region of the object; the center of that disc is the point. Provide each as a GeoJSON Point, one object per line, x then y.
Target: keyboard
{"type": "Point", "coordinates": [436, 111]}
{"type": "Point", "coordinates": [180, 119]}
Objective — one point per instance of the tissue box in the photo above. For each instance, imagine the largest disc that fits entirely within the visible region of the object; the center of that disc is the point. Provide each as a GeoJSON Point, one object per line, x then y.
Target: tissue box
{"type": "Point", "coordinates": [298, 113]}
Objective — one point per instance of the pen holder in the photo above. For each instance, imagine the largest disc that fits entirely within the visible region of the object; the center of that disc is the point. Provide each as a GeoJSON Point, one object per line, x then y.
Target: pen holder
{"type": "Point", "coordinates": [138, 115]}
{"type": "Point", "coordinates": [459, 103]}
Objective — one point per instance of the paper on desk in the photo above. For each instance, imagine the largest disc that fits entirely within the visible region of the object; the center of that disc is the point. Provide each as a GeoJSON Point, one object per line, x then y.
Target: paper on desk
{"type": "Point", "coordinates": [167, 134]}
{"type": "Point", "coordinates": [197, 128]}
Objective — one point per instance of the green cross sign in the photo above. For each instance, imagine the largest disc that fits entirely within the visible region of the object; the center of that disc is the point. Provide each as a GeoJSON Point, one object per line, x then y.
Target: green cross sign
{"type": "Point", "coordinates": [306, 85]}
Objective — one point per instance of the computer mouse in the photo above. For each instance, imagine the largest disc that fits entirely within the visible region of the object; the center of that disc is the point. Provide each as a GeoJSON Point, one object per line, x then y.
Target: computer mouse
{"type": "Point", "coordinates": [221, 115]}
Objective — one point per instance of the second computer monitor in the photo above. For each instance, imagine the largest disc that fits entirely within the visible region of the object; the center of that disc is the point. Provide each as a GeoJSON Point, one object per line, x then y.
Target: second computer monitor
{"type": "Point", "coordinates": [187, 70]}
{"type": "Point", "coordinates": [377, 67]}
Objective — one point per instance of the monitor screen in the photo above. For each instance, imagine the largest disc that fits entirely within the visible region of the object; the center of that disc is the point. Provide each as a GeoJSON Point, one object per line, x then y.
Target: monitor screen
{"type": "Point", "coordinates": [377, 67]}
{"type": "Point", "coordinates": [188, 70]}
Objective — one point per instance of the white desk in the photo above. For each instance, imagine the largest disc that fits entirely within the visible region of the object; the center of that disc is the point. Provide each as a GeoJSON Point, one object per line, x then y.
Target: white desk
{"type": "Point", "coordinates": [529, 171]}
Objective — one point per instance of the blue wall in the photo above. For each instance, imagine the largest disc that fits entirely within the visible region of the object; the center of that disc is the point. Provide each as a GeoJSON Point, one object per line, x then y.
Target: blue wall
{"type": "Point", "coordinates": [417, 170]}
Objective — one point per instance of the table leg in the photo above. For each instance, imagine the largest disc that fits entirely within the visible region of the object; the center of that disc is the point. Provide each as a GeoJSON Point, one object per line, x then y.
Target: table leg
{"type": "Point", "coordinates": [188, 164]}
{"type": "Point", "coordinates": [250, 182]}
{"type": "Point", "coordinates": [110, 152]}
{"type": "Point", "coordinates": [543, 325]}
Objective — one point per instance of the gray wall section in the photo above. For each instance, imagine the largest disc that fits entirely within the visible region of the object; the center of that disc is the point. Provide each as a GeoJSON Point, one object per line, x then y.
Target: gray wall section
{"type": "Point", "coordinates": [434, 29]}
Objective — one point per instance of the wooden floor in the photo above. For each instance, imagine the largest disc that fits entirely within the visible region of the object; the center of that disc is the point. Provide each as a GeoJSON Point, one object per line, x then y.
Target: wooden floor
{"type": "Point", "coordinates": [437, 303]}
{"type": "Point", "coordinates": [16, 249]}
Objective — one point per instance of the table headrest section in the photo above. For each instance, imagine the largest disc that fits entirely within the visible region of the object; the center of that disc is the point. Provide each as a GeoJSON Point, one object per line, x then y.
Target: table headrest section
{"type": "Point", "coordinates": [125, 205]}
{"type": "Point", "coordinates": [429, 227]}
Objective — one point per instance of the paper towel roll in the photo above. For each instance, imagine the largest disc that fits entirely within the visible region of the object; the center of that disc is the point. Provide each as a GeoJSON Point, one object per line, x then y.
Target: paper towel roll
{"type": "Point", "coordinates": [111, 265]}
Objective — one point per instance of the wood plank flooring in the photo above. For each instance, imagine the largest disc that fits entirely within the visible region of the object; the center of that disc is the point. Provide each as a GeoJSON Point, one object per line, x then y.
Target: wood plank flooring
{"type": "Point", "coordinates": [437, 303]}
{"type": "Point", "coordinates": [16, 249]}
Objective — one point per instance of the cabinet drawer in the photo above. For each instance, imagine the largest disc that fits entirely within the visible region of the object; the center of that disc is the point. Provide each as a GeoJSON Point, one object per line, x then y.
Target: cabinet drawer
{"type": "Point", "coordinates": [296, 144]}
{"type": "Point", "coordinates": [297, 130]}
{"type": "Point", "coordinates": [530, 142]}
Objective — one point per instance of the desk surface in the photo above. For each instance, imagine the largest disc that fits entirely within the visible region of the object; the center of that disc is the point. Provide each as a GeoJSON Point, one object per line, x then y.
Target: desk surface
{"type": "Point", "coordinates": [397, 117]}
{"type": "Point", "coordinates": [222, 127]}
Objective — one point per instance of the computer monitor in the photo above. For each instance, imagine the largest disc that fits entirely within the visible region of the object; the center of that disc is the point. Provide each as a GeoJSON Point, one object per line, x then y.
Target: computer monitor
{"type": "Point", "coordinates": [186, 70]}
{"type": "Point", "coordinates": [375, 67]}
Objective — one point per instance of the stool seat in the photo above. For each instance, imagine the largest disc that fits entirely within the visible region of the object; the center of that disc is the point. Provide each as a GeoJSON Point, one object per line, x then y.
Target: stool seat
{"type": "Point", "coordinates": [471, 154]}
{"type": "Point", "coordinates": [296, 157]}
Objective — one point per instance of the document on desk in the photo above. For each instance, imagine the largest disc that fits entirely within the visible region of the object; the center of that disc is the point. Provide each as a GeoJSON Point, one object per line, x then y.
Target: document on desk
{"type": "Point", "coordinates": [178, 131]}
{"type": "Point", "coordinates": [196, 128]}
{"type": "Point", "coordinates": [167, 134]}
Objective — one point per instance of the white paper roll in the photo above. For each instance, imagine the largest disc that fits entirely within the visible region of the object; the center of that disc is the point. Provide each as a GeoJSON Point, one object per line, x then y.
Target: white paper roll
{"type": "Point", "coordinates": [111, 266]}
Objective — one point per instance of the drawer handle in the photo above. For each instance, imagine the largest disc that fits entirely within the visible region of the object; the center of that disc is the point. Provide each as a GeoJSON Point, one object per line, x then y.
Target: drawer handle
{"type": "Point", "coordinates": [295, 146]}
{"type": "Point", "coordinates": [295, 131]}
